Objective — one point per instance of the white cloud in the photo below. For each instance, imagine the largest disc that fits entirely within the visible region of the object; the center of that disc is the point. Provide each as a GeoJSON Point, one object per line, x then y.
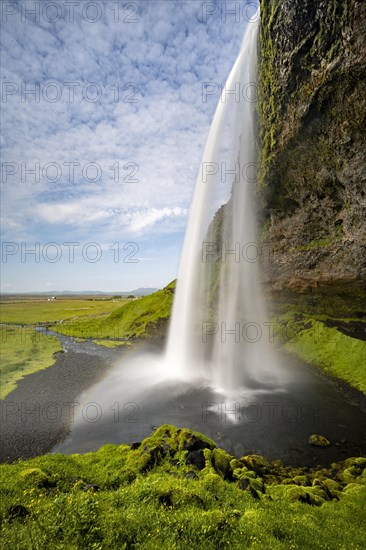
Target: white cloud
{"type": "Point", "coordinates": [167, 54]}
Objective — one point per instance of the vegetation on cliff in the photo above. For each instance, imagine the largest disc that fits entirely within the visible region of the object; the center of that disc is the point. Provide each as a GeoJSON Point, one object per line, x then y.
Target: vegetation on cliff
{"type": "Point", "coordinates": [312, 110]}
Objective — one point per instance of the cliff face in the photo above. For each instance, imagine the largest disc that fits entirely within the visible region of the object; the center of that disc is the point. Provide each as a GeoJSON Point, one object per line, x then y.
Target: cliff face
{"type": "Point", "coordinates": [312, 111]}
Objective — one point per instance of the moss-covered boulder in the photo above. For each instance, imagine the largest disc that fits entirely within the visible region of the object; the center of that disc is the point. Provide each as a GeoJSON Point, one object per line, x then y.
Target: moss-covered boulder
{"type": "Point", "coordinates": [319, 441]}
{"type": "Point", "coordinates": [34, 477]}
{"type": "Point", "coordinates": [221, 461]}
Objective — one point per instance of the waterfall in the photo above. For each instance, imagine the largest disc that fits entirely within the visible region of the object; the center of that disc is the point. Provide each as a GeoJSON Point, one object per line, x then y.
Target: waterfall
{"type": "Point", "coordinates": [218, 329]}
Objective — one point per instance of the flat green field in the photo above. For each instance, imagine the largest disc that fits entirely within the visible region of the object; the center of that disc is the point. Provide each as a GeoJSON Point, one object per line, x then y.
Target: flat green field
{"type": "Point", "coordinates": [38, 310]}
{"type": "Point", "coordinates": [23, 351]}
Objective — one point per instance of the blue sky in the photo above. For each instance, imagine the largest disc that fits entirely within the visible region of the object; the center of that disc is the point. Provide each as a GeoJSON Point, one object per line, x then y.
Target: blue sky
{"type": "Point", "coordinates": [103, 128]}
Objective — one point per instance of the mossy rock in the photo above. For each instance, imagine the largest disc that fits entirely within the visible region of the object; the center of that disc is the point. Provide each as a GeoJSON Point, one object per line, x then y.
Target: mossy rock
{"type": "Point", "coordinates": [128, 476]}
{"type": "Point", "coordinates": [287, 481]}
{"type": "Point", "coordinates": [319, 491]}
{"type": "Point", "coordinates": [34, 477]}
{"type": "Point", "coordinates": [138, 461]}
{"type": "Point", "coordinates": [301, 480]}
{"type": "Point", "coordinates": [355, 489]}
{"type": "Point", "coordinates": [189, 440]}
{"type": "Point", "coordinates": [258, 485]}
{"type": "Point", "coordinates": [196, 459]}
{"type": "Point", "coordinates": [212, 482]}
{"type": "Point", "coordinates": [257, 464]}
{"type": "Point", "coordinates": [79, 485]}
{"type": "Point", "coordinates": [221, 462]}
{"type": "Point", "coordinates": [350, 474]}
{"type": "Point", "coordinates": [295, 493]}
{"type": "Point", "coordinates": [331, 485]}
{"type": "Point", "coordinates": [240, 473]}
{"type": "Point", "coordinates": [255, 487]}
{"type": "Point", "coordinates": [166, 442]}
{"type": "Point", "coordinates": [145, 459]}
{"type": "Point", "coordinates": [166, 436]}
{"type": "Point", "coordinates": [235, 464]}
{"type": "Point", "coordinates": [319, 441]}
{"type": "Point", "coordinates": [359, 462]}
{"type": "Point", "coordinates": [18, 512]}
{"type": "Point", "coordinates": [178, 498]}
{"type": "Point", "coordinates": [332, 489]}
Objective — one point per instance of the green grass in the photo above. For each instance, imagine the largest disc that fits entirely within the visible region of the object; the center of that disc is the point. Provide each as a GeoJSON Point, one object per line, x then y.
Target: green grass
{"type": "Point", "coordinates": [329, 349]}
{"type": "Point", "coordinates": [142, 499]}
{"type": "Point", "coordinates": [36, 310]}
{"type": "Point", "coordinates": [23, 351]}
{"type": "Point", "coordinates": [112, 343]}
{"type": "Point", "coordinates": [143, 318]}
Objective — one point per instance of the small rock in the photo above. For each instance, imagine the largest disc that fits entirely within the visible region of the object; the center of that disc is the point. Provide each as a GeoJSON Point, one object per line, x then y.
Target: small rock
{"type": "Point", "coordinates": [166, 447]}
{"type": "Point", "coordinates": [18, 511]}
{"type": "Point", "coordinates": [165, 499]}
{"type": "Point", "coordinates": [319, 441]}
{"type": "Point", "coordinates": [194, 443]}
{"type": "Point", "coordinates": [243, 483]}
{"type": "Point", "coordinates": [135, 445]}
{"type": "Point", "coordinates": [196, 458]}
{"type": "Point", "coordinates": [191, 475]}
{"type": "Point", "coordinates": [91, 487]}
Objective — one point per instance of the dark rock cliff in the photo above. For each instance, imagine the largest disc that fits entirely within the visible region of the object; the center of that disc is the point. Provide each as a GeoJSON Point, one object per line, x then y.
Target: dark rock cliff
{"type": "Point", "coordinates": [312, 110]}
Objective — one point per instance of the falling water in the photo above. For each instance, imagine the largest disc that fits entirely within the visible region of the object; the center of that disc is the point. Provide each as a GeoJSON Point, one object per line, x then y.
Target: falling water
{"type": "Point", "coordinates": [216, 293]}
{"type": "Point", "coordinates": [218, 329]}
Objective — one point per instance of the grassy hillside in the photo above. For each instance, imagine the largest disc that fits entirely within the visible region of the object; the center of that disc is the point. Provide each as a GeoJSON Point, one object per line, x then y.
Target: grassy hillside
{"type": "Point", "coordinates": [176, 490]}
{"type": "Point", "coordinates": [142, 318]}
{"type": "Point", "coordinates": [326, 329]}
{"type": "Point", "coordinates": [335, 353]}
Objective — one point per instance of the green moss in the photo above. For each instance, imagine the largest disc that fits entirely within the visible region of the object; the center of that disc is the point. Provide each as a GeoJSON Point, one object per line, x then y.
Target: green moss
{"type": "Point", "coordinates": [332, 485]}
{"type": "Point", "coordinates": [221, 463]}
{"type": "Point", "coordinates": [108, 499]}
{"type": "Point", "coordinates": [294, 493]}
{"type": "Point", "coordinates": [188, 439]}
{"type": "Point", "coordinates": [235, 463]}
{"type": "Point", "coordinates": [316, 243]}
{"type": "Point", "coordinates": [301, 480]}
{"type": "Point", "coordinates": [243, 473]}
{"type": "Point", "coordinates": [33, 477]}
{"type": "Point", "coordinates": [319, 441]}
